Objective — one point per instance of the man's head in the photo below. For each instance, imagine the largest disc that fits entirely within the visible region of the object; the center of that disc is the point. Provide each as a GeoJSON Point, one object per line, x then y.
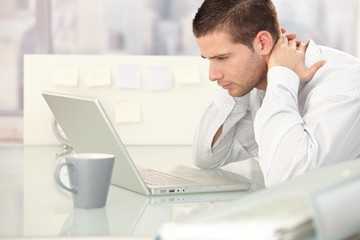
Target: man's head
{"type": "Point", "coordinates": [237, 37]}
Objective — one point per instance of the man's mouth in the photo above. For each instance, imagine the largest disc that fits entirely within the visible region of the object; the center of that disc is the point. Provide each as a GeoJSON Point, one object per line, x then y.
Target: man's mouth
{"type": "Point", "coordinates": [225, 85]}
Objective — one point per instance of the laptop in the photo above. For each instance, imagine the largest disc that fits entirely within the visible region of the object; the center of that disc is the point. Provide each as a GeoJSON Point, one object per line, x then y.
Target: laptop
{"type": "Point", "coordinates": [89, 129]}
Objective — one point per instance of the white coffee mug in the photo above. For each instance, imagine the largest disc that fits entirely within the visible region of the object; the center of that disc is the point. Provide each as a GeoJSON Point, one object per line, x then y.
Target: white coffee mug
{"type": "Point", "coordinates": [89, 175]}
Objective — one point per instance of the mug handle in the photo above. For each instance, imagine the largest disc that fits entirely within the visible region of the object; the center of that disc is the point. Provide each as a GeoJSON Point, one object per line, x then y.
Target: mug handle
{"type": "Point", "coordinates": [58, 180]}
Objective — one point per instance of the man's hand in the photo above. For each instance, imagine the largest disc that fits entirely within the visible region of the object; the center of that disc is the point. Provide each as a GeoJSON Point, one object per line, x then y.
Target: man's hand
{"type": "Point", "coordinates": [288, 52]}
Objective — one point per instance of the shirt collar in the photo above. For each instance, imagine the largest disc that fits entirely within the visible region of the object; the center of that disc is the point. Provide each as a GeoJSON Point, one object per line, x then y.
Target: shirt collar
{"type": "Point", "coordinates": [313, 54]}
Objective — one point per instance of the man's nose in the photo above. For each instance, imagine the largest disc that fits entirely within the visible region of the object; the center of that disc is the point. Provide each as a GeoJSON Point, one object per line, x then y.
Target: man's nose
{"type": "Point", "coordinates": [214, 72]}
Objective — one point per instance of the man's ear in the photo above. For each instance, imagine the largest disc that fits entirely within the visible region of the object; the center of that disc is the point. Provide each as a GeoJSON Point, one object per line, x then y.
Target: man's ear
{"type": "Point", "coordinates": [263, 43]}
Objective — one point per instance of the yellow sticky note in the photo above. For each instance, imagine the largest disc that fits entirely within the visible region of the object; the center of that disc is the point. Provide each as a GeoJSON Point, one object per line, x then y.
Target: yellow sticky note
{"type": "Point", "coordinates": [127, 111]}
{"type": "Point", "coordinates": [64, 74]}
{"type": "Point", "coordinates": [97, 75]}
{"type": "Point", "coordinates": [186, 74]}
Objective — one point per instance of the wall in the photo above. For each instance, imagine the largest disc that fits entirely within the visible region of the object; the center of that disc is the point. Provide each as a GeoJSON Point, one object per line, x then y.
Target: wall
{"type": "Point", "coordinates": [155, 117]}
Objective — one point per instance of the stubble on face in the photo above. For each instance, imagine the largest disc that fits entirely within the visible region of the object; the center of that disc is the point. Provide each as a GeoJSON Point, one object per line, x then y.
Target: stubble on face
{"type": "Point", "coordinates": [252, 75]}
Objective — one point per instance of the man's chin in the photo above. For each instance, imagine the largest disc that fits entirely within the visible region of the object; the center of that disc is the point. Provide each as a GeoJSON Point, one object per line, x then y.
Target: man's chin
{"type": "Point", "coordinates": [236, 93]}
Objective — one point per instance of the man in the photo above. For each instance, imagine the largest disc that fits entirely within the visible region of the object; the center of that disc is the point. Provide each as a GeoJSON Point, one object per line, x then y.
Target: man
{"type": "Point", "coordinates": [296, 106]}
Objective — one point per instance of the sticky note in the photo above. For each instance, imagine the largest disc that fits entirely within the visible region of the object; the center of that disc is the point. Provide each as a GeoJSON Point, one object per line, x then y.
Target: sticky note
{"type": "Point", "coordinates": [159, 78]}
{"type": "Point", "coordinates": [128, 76]}
{"type": "Point", "coordinates": [64, 74]}
{"type": "Point", "coordinates": [127, 111]}
{"type": "Point", "coordinates": [186, 74]}
{"type": "Point", "coordinates": [97, 75]}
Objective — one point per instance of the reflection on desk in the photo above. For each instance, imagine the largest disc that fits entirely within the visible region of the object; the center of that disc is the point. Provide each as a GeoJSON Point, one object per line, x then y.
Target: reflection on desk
{"type": "Point", "coordinates": [48, 210]}
{"type": "Point", "coordinates": [86, 222]}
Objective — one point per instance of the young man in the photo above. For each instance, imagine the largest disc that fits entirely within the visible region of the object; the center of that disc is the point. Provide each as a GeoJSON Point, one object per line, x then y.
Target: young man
{"type": "Point", "coordinates": [296, 106]}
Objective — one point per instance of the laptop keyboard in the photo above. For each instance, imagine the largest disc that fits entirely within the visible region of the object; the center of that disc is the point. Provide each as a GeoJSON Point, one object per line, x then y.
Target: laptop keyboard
{"type": "Point", "coordinates": [153, 177]}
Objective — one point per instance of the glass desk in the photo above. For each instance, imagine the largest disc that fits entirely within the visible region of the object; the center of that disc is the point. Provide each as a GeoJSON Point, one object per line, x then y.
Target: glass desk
{"type": "Point", "coordinates": [32, 205]}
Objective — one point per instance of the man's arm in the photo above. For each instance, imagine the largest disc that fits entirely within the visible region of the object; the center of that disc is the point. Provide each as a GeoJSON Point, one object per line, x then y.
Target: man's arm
{"type": "Point", "coordinates": [293, 142]}
{"type": "Point", "coordinates": [279, 115]}
{"type": "Point", "coordinates": [225, 132]}
{"type": "Point", "coordinates": [325, 131]}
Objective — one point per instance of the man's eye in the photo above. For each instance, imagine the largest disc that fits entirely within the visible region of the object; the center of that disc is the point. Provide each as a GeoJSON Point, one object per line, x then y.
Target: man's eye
{"type": "Point", "coordinates": [221, 58]}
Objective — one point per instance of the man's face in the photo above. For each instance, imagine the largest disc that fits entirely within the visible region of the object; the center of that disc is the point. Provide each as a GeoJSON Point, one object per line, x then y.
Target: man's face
{"type": "Point", "coordinates": [234, 66]}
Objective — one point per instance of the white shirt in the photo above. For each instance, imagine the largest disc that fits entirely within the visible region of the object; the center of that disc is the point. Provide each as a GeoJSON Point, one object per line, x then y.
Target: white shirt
{"type": "Point", "coordinates": [292, 129]}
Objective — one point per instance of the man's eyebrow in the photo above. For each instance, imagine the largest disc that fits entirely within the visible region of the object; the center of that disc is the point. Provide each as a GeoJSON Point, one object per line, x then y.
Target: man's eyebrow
{"type": "Point", "coordinates": [216, 56]}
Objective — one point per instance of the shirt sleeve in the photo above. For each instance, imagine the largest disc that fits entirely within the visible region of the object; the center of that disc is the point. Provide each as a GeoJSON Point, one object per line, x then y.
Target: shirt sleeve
{"type": "Point", "coordinates": [236, 141]}
{"type": "Point", "coordinates": [292, 143]}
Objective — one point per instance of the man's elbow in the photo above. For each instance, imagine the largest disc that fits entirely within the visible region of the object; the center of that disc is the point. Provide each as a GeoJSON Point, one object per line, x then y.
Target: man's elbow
{"type": "Point", "coordinates": [201, 164]}
{"type": "Point", "coordinates": [206, 163]}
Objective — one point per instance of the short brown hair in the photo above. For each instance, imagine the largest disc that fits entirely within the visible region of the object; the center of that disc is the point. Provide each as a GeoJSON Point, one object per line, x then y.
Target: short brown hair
{"type": "Point", "coordinates": [243, 19]}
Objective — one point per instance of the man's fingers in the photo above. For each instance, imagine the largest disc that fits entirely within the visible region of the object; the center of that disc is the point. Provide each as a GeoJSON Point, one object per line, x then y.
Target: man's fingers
{"type": "Point", "coordinates": [284, 39]}
{"type": "Point", "coordinates": [312, 70]}
{"type": "Point", "coordinates": [293, 43]}
{"type": "Point", "coordinates": [291, 36]}
{"type": "Point", "coordinates": [317, 65]}
{"type": "Point", "coordinates": [301, 47]}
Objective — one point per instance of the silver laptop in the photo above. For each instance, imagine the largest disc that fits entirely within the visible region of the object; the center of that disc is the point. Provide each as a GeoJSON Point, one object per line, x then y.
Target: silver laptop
{"type": "Point", "coordinates": [88, 129]}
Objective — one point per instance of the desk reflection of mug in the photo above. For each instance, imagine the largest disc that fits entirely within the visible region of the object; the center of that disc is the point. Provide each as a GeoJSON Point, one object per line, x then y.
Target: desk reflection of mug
{"type": "Point", "coordinates": [90, 175]}
{"type": "Point", "coordinates": [86, 222]}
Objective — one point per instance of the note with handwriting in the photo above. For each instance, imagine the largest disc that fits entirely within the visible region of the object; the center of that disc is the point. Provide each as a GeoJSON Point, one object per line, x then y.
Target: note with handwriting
{"type": "Point", "coordinates": [97, 75]}
{"type": "Point", "coordinates": [64, 74]}
{"type": "Point", "coordinates": [159, 78]}
{"type": "Point", "coordinates": [127, 76]}
{"type": "Point", "coordinates": [127, 111]}
{"type": "Point", "coordinates": [186, 74]}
